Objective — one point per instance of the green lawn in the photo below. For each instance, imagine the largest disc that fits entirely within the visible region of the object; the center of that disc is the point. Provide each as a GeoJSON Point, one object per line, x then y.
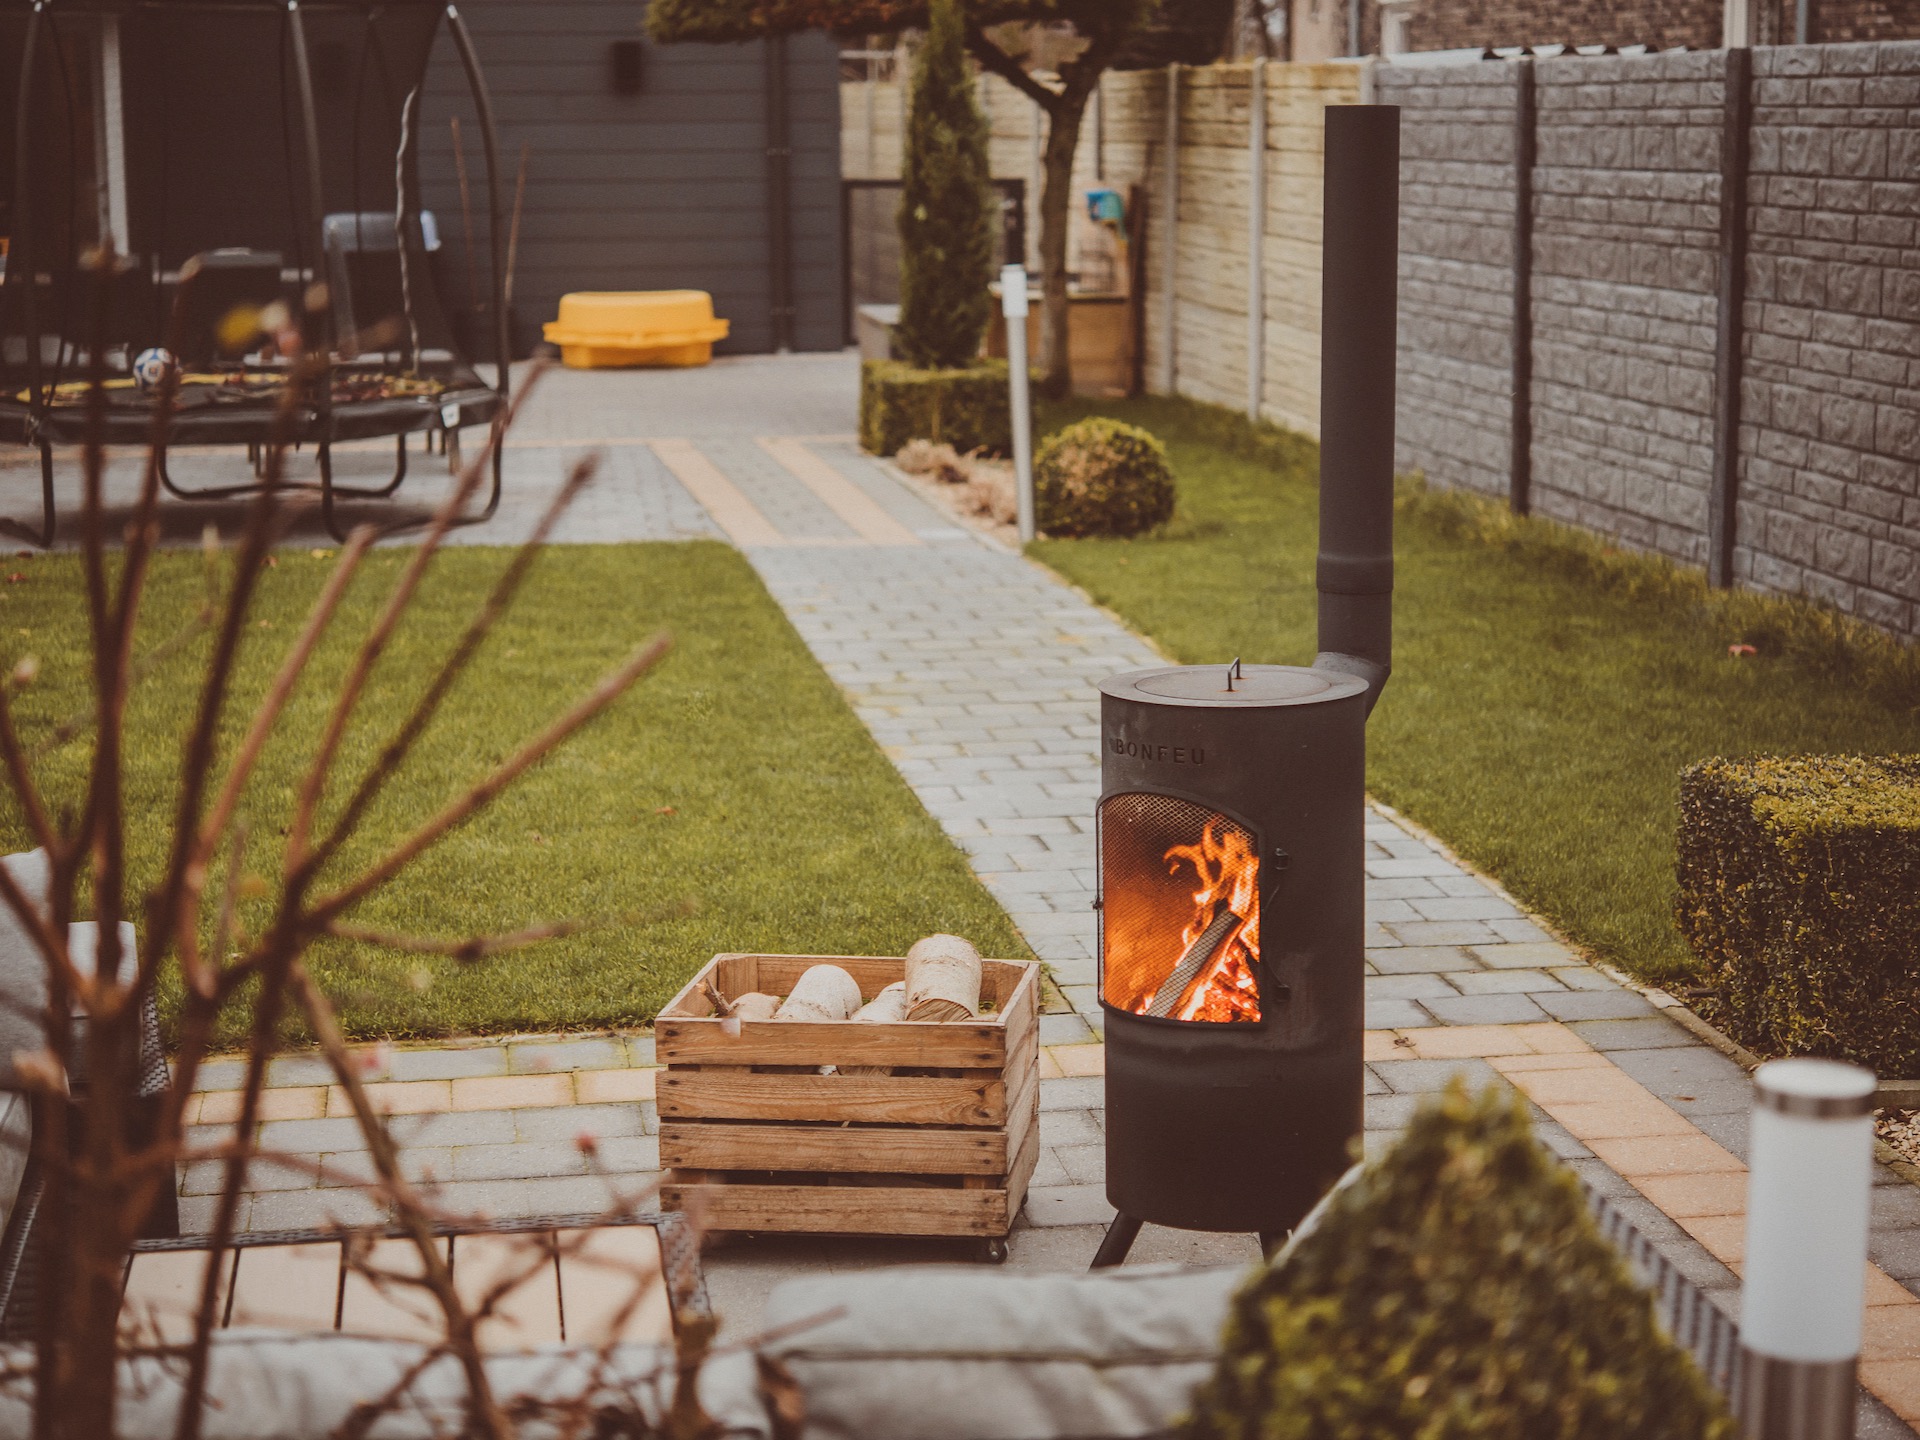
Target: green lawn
{"type": "Point", "coordinates": [1546, 692]}
{"type": "Point", "coordinates": [731, 801]}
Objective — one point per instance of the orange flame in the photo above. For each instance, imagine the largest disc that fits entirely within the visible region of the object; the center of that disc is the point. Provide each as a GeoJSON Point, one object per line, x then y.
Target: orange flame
{"type": "Point", "coordinates": [1229, 874]}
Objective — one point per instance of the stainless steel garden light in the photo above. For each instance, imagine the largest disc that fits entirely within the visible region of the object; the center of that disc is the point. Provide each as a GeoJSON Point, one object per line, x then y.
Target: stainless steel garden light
{"type": "Point", "coordinates": [1806, 1259]}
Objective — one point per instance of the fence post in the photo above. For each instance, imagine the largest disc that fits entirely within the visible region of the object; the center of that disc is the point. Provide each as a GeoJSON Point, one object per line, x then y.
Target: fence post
{"type": "Point", "coordinates": [1256, 237]}
{"type": "Point", "coordinates": [1170, 259]}
{"type": "Point", "coordinates": [1723, 499]}
{"type": "Point", "coordinates": [1520, 434]}
{"type": "Point", "coordinates": [1804, 1289]}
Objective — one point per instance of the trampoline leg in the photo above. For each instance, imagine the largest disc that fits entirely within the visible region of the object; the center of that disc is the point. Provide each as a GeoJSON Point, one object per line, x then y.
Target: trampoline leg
{"type": "Point", "coordinates": [450, 447]}
{"type": "Point", "coordinates": [325, 456]}
{"type": "Point", "coordinates": [493, 496]}
{"type": "Point", "coordinates": [45, 538]}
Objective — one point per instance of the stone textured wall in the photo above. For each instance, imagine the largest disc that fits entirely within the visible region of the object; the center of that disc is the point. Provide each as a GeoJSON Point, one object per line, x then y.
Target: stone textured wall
{"type": "Point", "coordinates": [1625, 245]}
{"type": "Point", "coordinates": [1657, 24]}
{"type": "Point", "coordinates": [1625, 305]}
{"type": "Point", "coordinates": [1830, 439]}
{"type": "Point", "coordinates": [1456, 272]}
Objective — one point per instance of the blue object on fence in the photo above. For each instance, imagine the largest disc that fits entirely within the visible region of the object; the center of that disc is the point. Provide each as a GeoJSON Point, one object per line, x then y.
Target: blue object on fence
{"type": "Point", "coordinates": [1105, 207]}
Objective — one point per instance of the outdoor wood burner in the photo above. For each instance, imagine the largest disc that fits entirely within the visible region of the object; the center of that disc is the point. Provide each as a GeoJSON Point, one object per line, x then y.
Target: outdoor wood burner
{"type": "Point", "coordinates": [1231, 819]}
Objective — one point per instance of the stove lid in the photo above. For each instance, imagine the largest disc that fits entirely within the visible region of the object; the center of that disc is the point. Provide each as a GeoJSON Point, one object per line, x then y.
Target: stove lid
{"type": "Point", "coordinates": [1233, 685]}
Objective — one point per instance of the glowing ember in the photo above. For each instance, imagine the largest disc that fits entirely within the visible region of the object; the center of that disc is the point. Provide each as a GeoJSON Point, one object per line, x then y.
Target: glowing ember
{"type": "Point", "coordinates": [1228, 898]}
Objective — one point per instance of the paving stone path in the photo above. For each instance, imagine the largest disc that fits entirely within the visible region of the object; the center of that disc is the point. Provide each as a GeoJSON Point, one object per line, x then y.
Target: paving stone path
{"type": "Point", "coordinates": [975, 670]}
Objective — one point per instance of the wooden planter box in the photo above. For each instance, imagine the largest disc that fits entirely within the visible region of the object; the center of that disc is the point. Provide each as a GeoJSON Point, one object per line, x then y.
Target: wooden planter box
{"type": "Point", "coordinates": [753, 1138]}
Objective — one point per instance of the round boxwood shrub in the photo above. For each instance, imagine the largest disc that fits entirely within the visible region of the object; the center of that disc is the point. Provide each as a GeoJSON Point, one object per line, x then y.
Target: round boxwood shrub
{"type": "Point", "coordinates": [1101, 477]}
{"type": "Point", "coordinates": [1457, 1289]}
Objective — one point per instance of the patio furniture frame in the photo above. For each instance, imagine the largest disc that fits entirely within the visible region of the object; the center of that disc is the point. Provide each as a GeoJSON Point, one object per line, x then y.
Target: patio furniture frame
{"type": "Point", "coordinates": [319, 421]}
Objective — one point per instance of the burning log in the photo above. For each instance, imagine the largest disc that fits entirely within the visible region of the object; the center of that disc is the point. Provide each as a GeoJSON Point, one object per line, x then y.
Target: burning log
{"type": "Point", "coordinates": [824, 992]}
{"type": "Point", "coordinates": [943, 979]}
{"type": "Point", "coordinates": [1193, 962]}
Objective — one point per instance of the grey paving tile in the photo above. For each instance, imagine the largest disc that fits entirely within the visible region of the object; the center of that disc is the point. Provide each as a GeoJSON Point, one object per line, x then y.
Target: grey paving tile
{"type": "Point", "coordinates": [197, 1214]}
{"type": "Point", "coordinates": [626, 1155]}
{"type": "Point", "coordinates": [1731, 1131]}
{"type": "Point", "coordinates": [1421, 1077]}
{"type": "Point", "coordinates": [1646, 1034]}
{"type": "Point", "coordinates": [1074, 1092]}
{"type": "Point", "coordinates": [1396, 1015]}
{"type": "Point", "coordinates": [455, 1127]}
{"type": "Point", "coordinates": [1583, 977]}
{"type": "Point", "coordinates": [1059, 1128]}
{"type": "Point", "coordinates": [1896, 1207]}
{"type": "Point", "coordinates": [545, 1056]}
{"type": "Point", "coordinates": [512, 1199]}
{"type": "Point", "coordinates": [1049, 1171]}
{"type": "Point", "coordinates": [517, 1162]}
{"type": "Point", "coordinates": [1596, 1005]}
{"type": "Point", "coordinates": [1064, 1030]}
{"type": "Point", "coordinates": [1390, 1112]}
{"type": "Point", "coordinates": [314, 1209]}
{"type": "Point", "coordinates": [449, 1064]}
{"type": "Point", "coordinates": [220, 1075]}
{"type": "Point", "coordinates": [1464, 907]}
{"type": "Point", "coordinates": [1501, 956]}
{"type": "Point", "coordinates": [1442, 932]}
{"type": "Point", "coordinates": [1487, 1009]}
{"type": "Point", "coordinates": [298, 1070]}
{"type": "Point", "coordinates": [1681, 1071]}
{"type": "Point", "coordinates": [1415, 986]}
{"type": "Point", "coordinates": [1421, 959]}
{"type": "Point", "coordinates": [1087, 1164]}
{"type": "Point", "coordinates": [563, 1124]}
{"type": "Point", "coordinates": [1068, 1205]}
{"type": "Point", "coordinates": [342, 1133]}
{"type": "Point", "coordinates": [1506, 982]}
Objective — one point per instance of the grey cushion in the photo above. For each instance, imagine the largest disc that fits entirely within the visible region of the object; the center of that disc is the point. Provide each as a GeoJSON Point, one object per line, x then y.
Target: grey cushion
{"type": "Point", "coordinates": [272, 1385]}
{"type": "Point", "coordinates": [949, 1354]}
{"type": "Point", "coordinates": [16, 1136]}
{"type": "Point", "coordinates": [23, 971]}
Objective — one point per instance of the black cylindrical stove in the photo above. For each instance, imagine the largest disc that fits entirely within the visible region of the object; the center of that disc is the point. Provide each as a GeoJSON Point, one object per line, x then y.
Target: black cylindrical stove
{"type": "Point", "coordinates": [1231, 948]}
{"type": "Point", "coordinates": [1232, 879]}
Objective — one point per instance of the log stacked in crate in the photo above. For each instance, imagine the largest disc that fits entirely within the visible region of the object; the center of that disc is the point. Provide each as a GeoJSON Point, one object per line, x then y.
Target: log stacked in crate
{"type": "Point", "coordinates": [775, 1116]}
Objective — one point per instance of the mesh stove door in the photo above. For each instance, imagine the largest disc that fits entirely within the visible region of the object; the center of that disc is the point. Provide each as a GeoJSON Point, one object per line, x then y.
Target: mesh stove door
{"type": "Point", "coordinates": [1180, 911]}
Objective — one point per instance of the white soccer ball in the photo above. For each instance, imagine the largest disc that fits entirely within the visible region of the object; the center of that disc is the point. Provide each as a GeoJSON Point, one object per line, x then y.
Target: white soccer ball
{"type": "Point", "coordinates": [151, 367]}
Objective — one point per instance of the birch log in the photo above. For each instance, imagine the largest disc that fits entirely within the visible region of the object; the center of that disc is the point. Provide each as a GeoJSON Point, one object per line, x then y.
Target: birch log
{"type": "Point", "coordinates": [943, 979]}
{"type": "Point", "coordinates": [755, 1005]}
{"type": "Point", "coordinates": [824, 992]}
{"type": "Point", "coordinates": [889, 1007]}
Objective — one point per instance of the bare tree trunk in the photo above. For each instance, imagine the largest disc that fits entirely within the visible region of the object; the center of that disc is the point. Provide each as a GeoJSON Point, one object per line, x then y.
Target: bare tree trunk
{"type": "Point", "coordinates": [1056, 198]}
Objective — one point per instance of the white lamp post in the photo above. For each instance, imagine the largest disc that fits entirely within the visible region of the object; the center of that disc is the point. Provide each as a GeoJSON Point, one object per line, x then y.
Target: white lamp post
{"type": "Point", "coordinates": [1805, 1283]}
{"type": "Point", "coordinates": [1013, 305]}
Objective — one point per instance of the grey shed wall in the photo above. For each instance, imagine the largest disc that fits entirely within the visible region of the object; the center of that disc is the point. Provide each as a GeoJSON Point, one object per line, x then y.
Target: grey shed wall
{"type": "Point", "coordinates": [666, 189]}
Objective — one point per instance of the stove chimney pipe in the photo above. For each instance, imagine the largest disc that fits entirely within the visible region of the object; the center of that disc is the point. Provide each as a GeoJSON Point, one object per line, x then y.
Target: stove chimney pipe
{"type": "Point", "coordinates": [1359, 264]}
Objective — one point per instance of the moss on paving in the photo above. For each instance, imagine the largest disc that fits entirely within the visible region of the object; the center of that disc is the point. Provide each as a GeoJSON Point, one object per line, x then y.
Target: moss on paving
{"type": "Point", "coordinates": [1547, 691]}
{"type": "Point", "coordinates": [731, 801]}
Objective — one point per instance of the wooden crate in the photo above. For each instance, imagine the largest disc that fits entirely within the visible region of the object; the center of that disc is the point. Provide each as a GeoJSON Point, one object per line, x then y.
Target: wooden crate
{"type": "Point", "coordinates": [754, 1138]}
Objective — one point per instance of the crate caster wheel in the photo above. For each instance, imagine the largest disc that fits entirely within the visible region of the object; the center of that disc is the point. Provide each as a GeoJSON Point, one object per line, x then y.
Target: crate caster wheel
{"type": "Point", "coordinates": [991, 1252]}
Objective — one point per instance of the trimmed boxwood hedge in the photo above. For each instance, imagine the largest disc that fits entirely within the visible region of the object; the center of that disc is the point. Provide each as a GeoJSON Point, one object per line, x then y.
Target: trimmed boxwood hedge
{"type": "Point", "coordinates": [1458, 1288]}
{"type": "Point", "coordinates": [965, 408]}
{"type": "Point", "coordinates": [1799, 890]}
{"type": "Point", "coordinates": [1101, 477]}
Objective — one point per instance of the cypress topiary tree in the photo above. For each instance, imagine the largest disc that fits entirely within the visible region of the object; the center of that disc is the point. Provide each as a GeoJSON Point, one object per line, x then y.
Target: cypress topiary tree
{"type": "Point", "coordinates": [946, 235]}
{"type": "Point", "coordinates": [1457, 1290]}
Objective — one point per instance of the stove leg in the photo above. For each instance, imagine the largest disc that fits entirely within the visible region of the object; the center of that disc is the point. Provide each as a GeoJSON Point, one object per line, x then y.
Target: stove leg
{"type": "Point", "coordinates": [1272, 1240]}
{"type": "Point", "coordinates": [1120, 1238]}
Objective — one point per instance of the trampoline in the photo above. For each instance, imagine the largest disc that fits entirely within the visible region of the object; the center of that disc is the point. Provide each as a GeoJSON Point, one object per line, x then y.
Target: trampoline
{"type": "Point", "coordinates": [245, 185]}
